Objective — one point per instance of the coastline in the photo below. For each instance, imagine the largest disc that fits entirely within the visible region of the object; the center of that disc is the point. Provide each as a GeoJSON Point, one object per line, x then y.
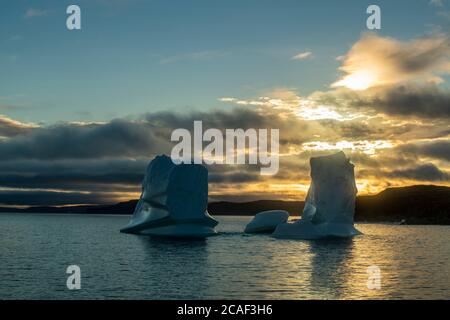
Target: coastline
{"type": "Point", "coordinates": [415, 205]}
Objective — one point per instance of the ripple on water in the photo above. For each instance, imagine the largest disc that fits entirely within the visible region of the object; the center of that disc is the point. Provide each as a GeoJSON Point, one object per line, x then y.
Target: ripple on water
{"type": "Point", "coordinates": [36, 250]}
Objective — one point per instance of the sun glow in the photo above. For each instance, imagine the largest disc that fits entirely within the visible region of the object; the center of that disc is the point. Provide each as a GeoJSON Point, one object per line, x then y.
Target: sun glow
{"type": "Point", "coordinates": [367, 147]}
{"type": "Point", "coordinates": [360, 80]}
{"type": "Point", "coordinates": [318, 113]}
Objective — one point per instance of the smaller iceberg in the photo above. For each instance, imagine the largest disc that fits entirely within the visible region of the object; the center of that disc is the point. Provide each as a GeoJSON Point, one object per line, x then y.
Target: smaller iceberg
{"type": "Point", "coordinates": [330, 202]}
{"type": "Point", "coordinates": [266, 221]}
{"type": "Point", "coordinates": [173, 202]}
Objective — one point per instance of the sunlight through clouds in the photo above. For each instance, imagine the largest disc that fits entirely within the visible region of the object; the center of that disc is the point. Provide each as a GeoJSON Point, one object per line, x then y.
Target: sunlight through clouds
{"type": "Point", "coordinates": [367, 147]}
{"type": "Point", "coordinates": [377, 61]}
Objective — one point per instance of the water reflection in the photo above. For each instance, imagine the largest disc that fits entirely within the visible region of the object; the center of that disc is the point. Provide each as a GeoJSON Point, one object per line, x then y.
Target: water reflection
{"type": "Point", "coordinates": [164, 242]}
{"type": "Point", "coordinates": [330, 265]}
{"type": "Point", "coordinates": [413, 260]}
{"type": "Point", "coordinates": [180, 263]}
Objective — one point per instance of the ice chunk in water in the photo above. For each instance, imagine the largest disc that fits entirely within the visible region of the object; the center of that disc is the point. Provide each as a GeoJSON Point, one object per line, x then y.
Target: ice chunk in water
{"type": "Point", "coordinates": [330, 202]}
{"type": "Point", "coordinates": [173, 202]}
{"type": "Point", "coordinates": [266, 221]}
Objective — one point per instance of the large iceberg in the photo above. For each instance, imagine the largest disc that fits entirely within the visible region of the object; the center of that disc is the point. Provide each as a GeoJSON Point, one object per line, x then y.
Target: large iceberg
{"type": "Point", "coordinates": [266, 221]}
{"type": "Point", "coordinates": [330, 202]}
{"type": "Point", "coordinates": [173, 202]}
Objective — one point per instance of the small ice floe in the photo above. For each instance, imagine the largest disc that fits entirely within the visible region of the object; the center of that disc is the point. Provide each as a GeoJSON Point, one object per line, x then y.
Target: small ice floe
{"type": "Point", "coordinates": [266, 221]}
{"type": "Point", "coordinates": [173, 202]}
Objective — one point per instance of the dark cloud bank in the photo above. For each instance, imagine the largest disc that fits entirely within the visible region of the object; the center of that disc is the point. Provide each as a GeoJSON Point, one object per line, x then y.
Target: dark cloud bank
{"type": "Point", "coordinates": [70, 163]}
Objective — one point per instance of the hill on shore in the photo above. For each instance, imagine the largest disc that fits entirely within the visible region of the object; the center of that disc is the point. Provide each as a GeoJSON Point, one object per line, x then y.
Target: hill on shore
{"type": "Point", "coordinates": [415, 205]}
{"type": "Point", "coordinates": [412, 205]}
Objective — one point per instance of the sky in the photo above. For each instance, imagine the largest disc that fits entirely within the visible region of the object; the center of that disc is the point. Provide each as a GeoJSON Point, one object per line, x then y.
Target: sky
{"type": "Point", "coordinates": [83, 111]}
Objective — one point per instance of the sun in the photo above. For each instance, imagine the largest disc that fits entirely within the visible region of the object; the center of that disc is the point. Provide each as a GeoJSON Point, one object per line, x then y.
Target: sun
{"type": "Point", "coordinates": [360, 80]}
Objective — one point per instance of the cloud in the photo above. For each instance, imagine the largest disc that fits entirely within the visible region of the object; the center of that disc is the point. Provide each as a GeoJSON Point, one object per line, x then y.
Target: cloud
{"type": "Point", "coordinates": [426, 172]}
{"type": "Point", "coordinates": [62, 141]}
{"type": "Point", "coordinates": [34, 12]}
{"type": "Point", "coordinates": [235, 177]}
{"type": "Point", "coordinates": [379, 129]}
{"type": "Point", "coordinates": [10, 127]}
{"type": "Point", "coordinates": [112, 181]}
{"type": "Point", "coordinates": [111, 157]}
{"type": "Point", "coordinates": [395, 130]}
{"type": "Point", "coordinates": [123, 138]}
{"type": "Point", "coordinates": [108, 159]}
{"type": "Point", "coordinates": [444, 14]}
{"type": "Point", "coordinates": [377, 61]}
{"type": "Point", "coordinates": [302, 55]}
{"type": "Point", "coordinates": [52, 198]}
{"type": "Point", "coordinates": [95, 166]}
{"type": "Point", "coordinates": [439, 149]}
{"type": "Point", "coordinates": [408, 100]}
{"type": "Point", "coordinates": [287, 102]}
{"type": "Point", "coordinates": [437, 3]}
{"type": "Point", "coordinates": [123, 175]}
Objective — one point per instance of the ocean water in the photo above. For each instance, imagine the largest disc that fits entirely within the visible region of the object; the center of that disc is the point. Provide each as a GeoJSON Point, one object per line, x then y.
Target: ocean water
{"type": "Point", "coordinates": [413, 262]}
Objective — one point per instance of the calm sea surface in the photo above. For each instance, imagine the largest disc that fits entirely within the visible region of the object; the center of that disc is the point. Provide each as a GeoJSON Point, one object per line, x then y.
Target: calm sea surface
{"type": "Point", "coordinates": [37, 248]}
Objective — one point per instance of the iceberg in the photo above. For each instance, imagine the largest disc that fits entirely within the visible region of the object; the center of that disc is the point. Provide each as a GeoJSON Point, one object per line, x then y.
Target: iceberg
{"type": "Point", "coordinates": [173, 202]}
{"type": "Point", "coordinates": [266, 221]}
{"type": "Point", "coordinates": [330, 203]}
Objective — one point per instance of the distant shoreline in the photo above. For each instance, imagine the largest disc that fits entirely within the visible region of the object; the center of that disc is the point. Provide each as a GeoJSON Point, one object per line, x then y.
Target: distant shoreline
{"type": "Point", "coordinates": [296, 217]}
{"type": "Point", "coordinates": [415, 205]}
